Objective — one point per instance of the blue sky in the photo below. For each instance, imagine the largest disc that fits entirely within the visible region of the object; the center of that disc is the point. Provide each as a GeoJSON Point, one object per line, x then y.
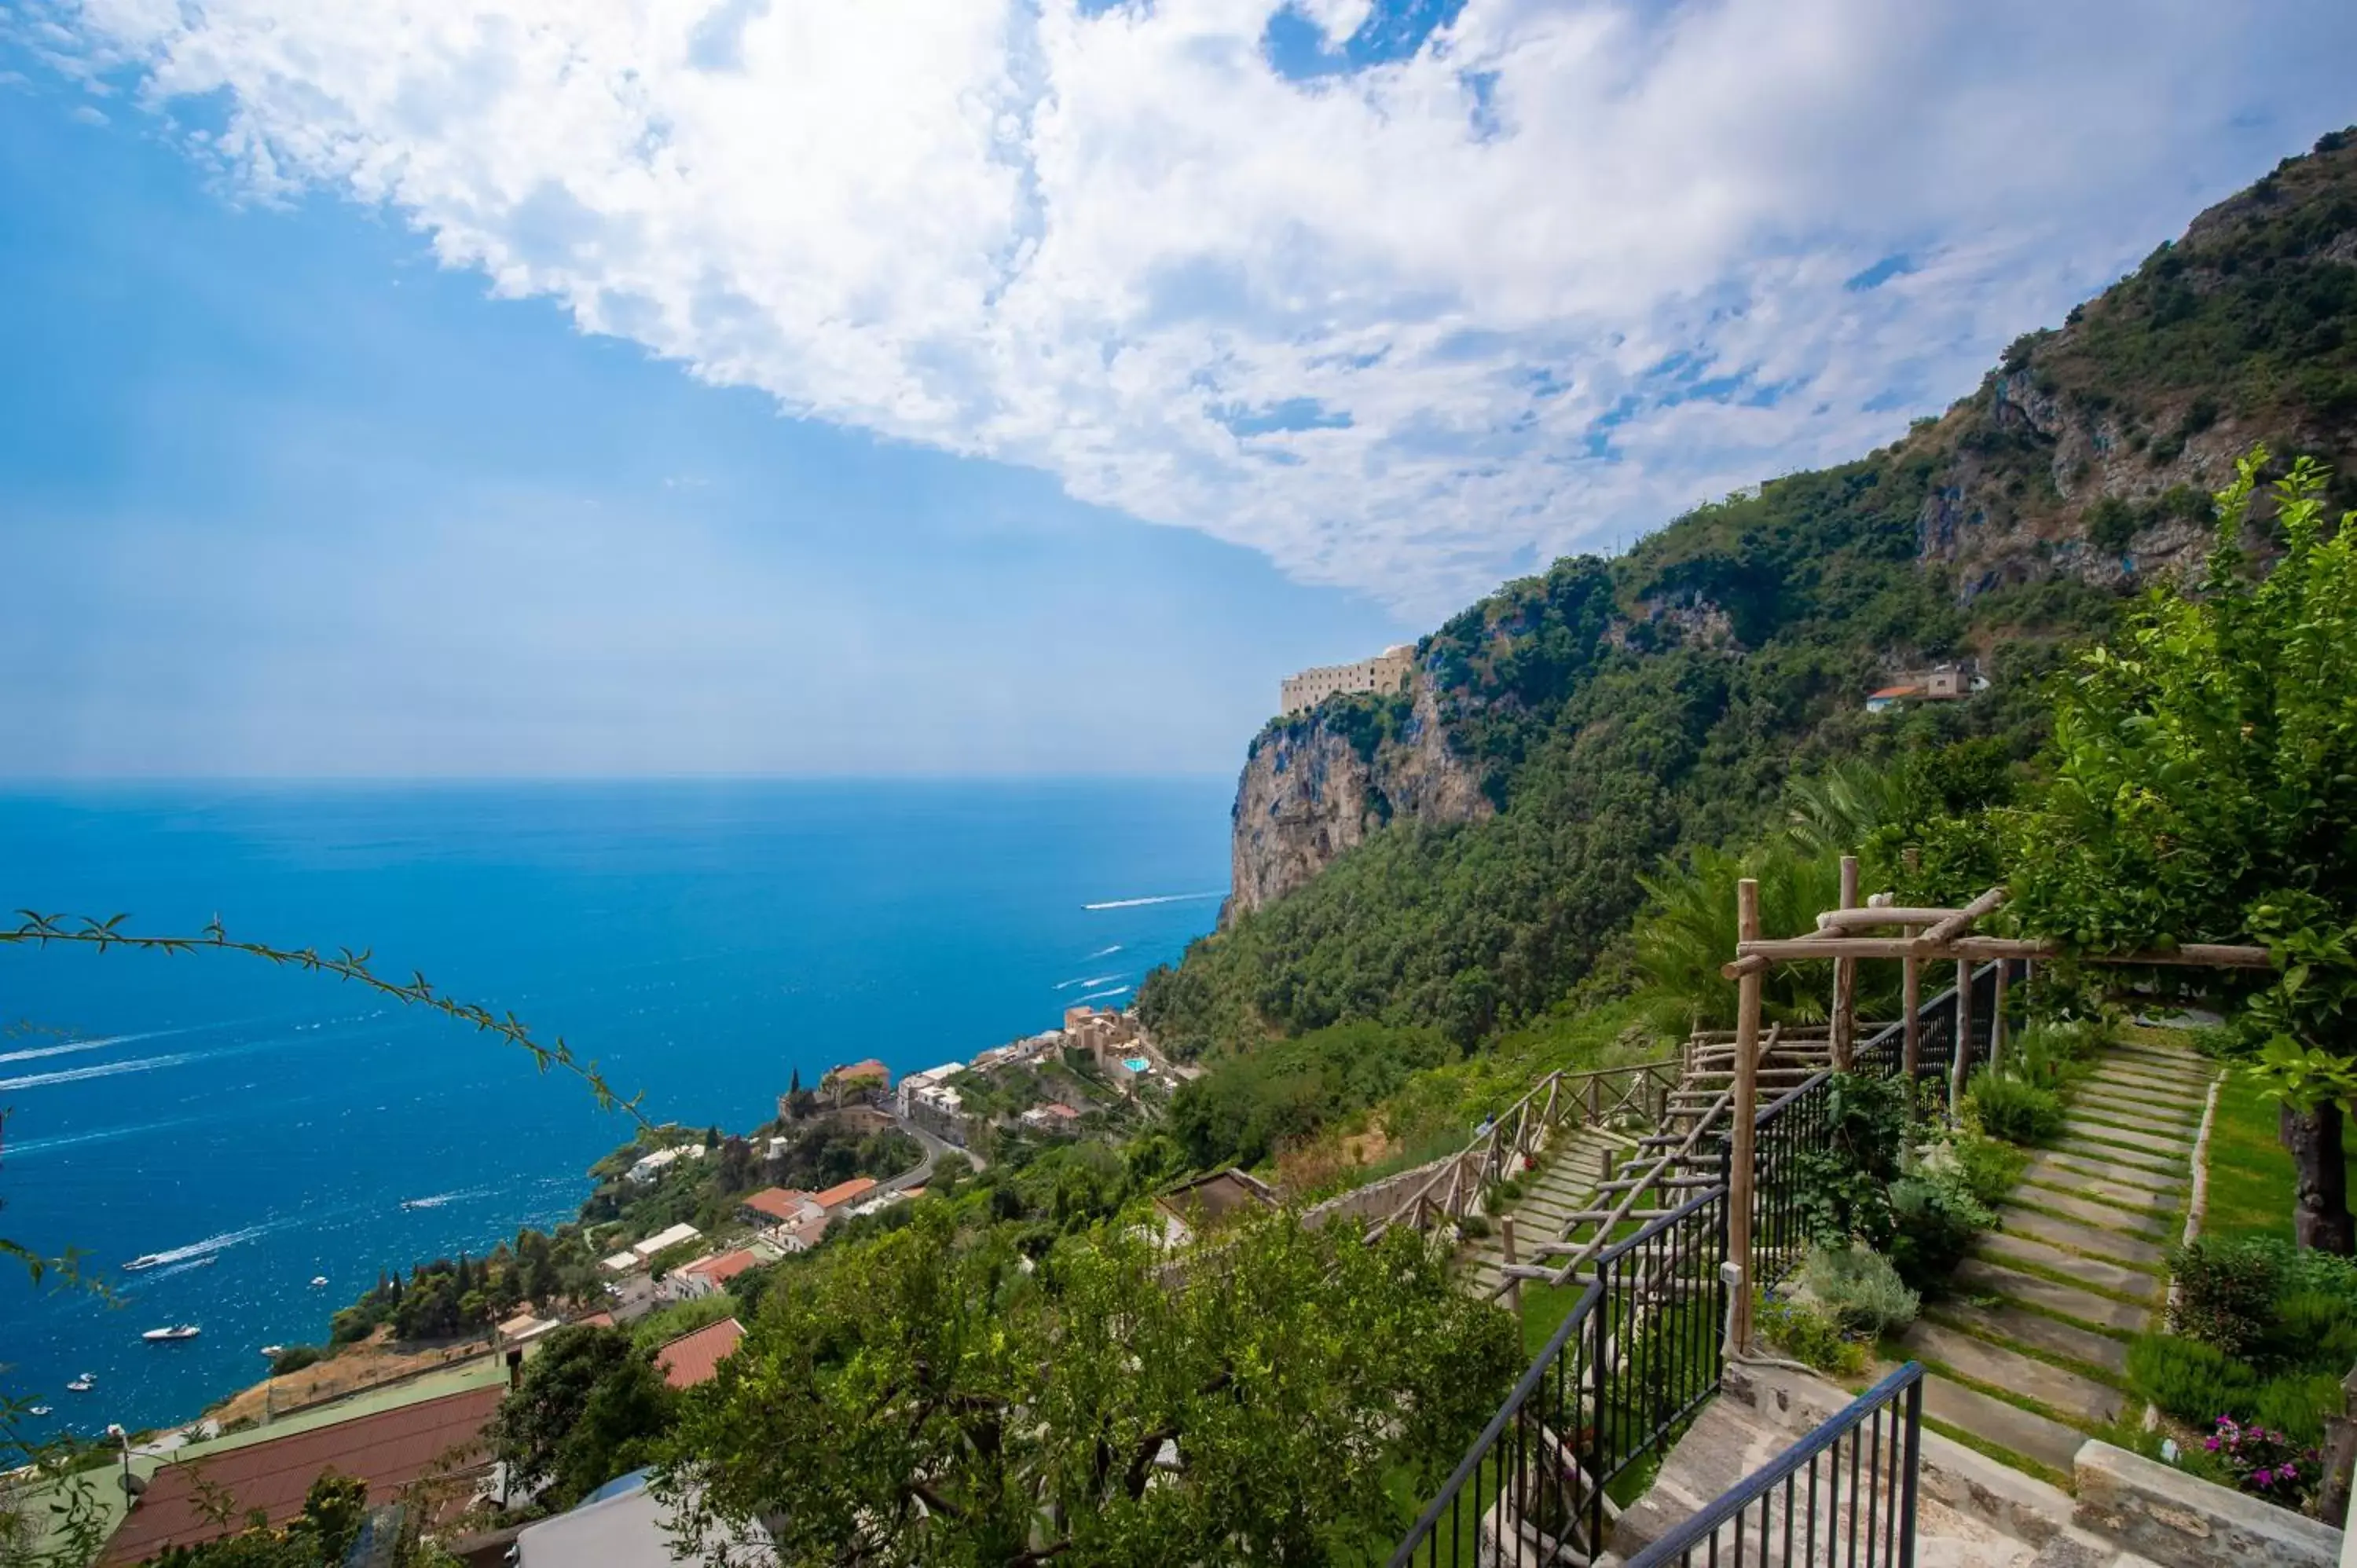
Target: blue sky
{"type": "Point", "coordinates": [519, 388]}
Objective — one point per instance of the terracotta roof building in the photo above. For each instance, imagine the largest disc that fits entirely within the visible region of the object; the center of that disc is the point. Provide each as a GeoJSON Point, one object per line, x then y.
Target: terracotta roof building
{"type": "Point", "coordinates": [388, 1450]}
{"type": "Point", "coordinates": [775, 1205]}
{"type": "Point", "coordinates": [692, 1358]}
{"type": "Point", "coordinates": [843, 1193]}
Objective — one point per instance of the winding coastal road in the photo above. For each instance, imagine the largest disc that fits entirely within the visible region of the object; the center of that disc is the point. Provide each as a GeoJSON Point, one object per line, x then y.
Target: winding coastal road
{"type": "Point", "coordinates": [922, 1172]}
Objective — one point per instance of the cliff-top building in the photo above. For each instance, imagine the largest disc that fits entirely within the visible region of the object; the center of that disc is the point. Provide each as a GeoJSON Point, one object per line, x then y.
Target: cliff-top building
{"type": "Point", "coordinates": [1385, 672]}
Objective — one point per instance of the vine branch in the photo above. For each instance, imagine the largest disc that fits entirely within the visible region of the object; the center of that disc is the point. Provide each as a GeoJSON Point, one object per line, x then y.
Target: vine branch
{"type": "Point", "coordinates": [42, 930]}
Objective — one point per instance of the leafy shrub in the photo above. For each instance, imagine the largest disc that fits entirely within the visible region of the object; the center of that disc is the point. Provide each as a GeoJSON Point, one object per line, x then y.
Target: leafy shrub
{"type": "Point", "coordinates": [1807, 1333]}
{"type": "Point", "coordinates": [2053, 1056]}
{"type": "Point", "coordinates": [2225, 1296]}
{"type": "Point", "coordinates": [294, 1357]}
{"type": "Point", "coordinates": [2017, 1112]}
{"type": "Point", "coordinates": [2297, 1405]}
{"type": "Point", "coordinates": [1861, 1288]}
{"type": "Point", "coordinates": [2267, 1463]}
{"type": "Point", "coordinates": [2110, 523]}
{"type": "Point", "coordinates": [1989, 1168]}
{"type": "Point", "coordinates": [2190, 1381]}
{"type": "Point", "coordinates": [1934, 1217]}
{"type": "Point", "coordinates": [2311, 1329]}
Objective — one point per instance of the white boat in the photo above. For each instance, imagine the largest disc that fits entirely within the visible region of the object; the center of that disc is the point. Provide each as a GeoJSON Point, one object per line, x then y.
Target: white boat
{"type": "Point", "coordinates": [145, 1260]}
{"type": "Point", "coordinates": [318, 1282]}
{"type": "Point", "coordinates": [83, 1384]}
{"type": "Point", "coordinates": [37, 1409]}
{"type": "Point", "coordinates": [176, 1331]}
{"type": "Point", "coordinates": [274, 1349]}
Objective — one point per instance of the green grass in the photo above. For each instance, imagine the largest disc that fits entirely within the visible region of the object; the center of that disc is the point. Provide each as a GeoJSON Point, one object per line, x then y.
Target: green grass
{"type": "Point", "coordinates": [2250, 1172]}
{"type": "Point", "coordinates": [2001, 1454]}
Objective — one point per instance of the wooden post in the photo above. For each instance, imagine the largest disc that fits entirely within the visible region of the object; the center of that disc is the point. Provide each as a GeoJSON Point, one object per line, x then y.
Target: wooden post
{"type": "Point", "coordinates": [1513, 1284]}
{"type": "Point", "coordinates": [1961, 1058]}
{"type": "Point", "coordinates": [1911, 992]}
{"type": "Point", "coordinates": [1844, 1021]}
{"type": "Point", "coordinates": [1997, 1015]}
{"type": "Point", "coordinates": [1745, 1111]}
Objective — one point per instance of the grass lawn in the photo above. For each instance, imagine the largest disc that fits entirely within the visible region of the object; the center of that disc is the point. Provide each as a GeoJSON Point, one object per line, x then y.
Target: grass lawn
{"type": "Point", "coordinates": [2250, 1172]}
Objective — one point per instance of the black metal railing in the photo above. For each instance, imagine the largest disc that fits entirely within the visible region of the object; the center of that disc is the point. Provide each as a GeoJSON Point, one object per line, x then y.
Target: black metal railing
{"type": "Point", "coordinates": [1607, 1390]}
{"type": "Point", "coordinates": [1843, 1497]}
{"type": "Point", "coordinates": [1639, 1352]}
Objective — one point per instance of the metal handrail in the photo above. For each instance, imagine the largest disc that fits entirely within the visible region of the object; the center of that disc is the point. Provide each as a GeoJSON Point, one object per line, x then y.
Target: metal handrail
{"type": "Point", "coordinates": [1896, 1532]}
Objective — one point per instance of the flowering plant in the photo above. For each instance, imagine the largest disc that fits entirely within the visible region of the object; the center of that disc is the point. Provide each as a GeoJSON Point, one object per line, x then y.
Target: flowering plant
{"type": "Point", "coordinates": [2264, 1463]}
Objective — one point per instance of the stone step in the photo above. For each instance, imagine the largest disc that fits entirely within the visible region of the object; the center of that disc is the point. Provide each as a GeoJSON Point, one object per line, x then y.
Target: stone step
{"type": "Point", "coordinates": [2136, 1159]}
{"type": "Point", "coordinates": [2128, 1081]}
{"type": "Point", "coordinates": [2135, 1205]}
{"type": "Point", "coordinates": [2103, 1123]}
{"type": "Point", "coordinates": [1979, 1276]}
{"type": "Point", "coordinates": [1993, 1421]}
{"type": "Point", "coordinates": [2057, 1165]}
{"type": "Point", "coordinates": [2086, 1129]}
{"type": "Point", "coordinates": [1727, 1442]}
{"type": "Point", "coordinates": [2109, 1245]}
{"type": "Point", "coordinates": [2170, 1055]}
{"type": "Point", "coordinates": [2004, 1247]}
{"type": "Point", "coordinates": [2039, 1333]}
{"type": "Point", "coordinates": [2072, 1396]}
{"type": "Point", "coordinates": [2143, 1225]}
{"type": "Point", "coordinates": [2166, 1121]}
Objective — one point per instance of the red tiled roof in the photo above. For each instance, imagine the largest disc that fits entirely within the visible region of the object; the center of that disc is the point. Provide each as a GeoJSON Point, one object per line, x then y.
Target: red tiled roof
{"type": "Point", "coordinates": [835, 1196]}
{"type": "Point", "coordinates": [1055, 1108]}
{"type": "Point", "coordinates": [871, 1067]}
{"type": "Point", "coordinates": [595, 1320]}
{"type": "Point", "coordinates": [388, 1450]}
{"type": "Point", "coordinates": [1897, 691]}
{"type": "Point", "coordinates": [724, 1268]}
{"type": "Point", "coordinates": [777, 1202]}
{"type": "Point", "coordinates": [693, 1358]}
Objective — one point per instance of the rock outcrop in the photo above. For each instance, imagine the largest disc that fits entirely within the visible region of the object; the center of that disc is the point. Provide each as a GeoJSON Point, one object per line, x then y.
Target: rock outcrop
{"type": "Point", "coordinates": [1314, 786]}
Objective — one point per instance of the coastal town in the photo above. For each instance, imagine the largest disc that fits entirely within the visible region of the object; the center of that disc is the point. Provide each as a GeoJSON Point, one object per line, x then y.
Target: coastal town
{"type": "Point", "coordinates": [412, 1419]}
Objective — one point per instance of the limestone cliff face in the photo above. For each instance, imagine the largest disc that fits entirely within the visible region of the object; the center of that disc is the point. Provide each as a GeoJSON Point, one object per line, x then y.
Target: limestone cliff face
{"type": "Point", "coordinates": [1316, 786]}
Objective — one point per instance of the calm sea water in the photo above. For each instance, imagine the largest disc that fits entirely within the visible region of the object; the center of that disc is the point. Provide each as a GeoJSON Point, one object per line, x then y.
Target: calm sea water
{"type": "Point", "coordinates": [701, 941]}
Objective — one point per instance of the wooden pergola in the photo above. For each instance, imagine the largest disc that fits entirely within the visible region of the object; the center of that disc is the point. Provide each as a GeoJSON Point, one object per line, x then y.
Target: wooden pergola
{"type": "Point", "coordinates": [1878, 928]}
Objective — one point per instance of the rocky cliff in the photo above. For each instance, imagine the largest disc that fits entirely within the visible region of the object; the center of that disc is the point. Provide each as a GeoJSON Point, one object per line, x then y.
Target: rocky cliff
{"type": "Point", "coordinates": [1317, 784]}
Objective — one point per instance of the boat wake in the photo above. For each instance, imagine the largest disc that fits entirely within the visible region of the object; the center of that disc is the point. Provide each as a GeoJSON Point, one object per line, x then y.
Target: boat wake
{"type": "Point", "coordinates": [104, 1070]}
{"type": "Point", "coordinates": [1092, 980]}
{"type": "Point", "coordinates": [1160, 899]}
{"type": "Point", "coordinates": [439, 1199]}
{"type": "Point", "coordinates": [1116, 990]}
{"type": "Point", "coordinates": [1107, 952]}
{"type": "Point", "coordinates": [70, 1048]}
{"type": "Point", "coordinates": [68, 1140]}
{"type": "Point", "coordinates": [204, 1249]}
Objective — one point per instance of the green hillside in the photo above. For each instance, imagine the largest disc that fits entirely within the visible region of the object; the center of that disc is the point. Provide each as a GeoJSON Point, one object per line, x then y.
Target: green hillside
{"type": "Point", "coordinates": [1621, 712]}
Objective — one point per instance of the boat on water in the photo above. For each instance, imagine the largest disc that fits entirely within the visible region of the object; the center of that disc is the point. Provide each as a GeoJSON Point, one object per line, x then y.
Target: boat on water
{"type": "Point", "coordinates": [318, 1282]}
{"type": "Point", "coordinates": [83, 1384]}
{"type": "Point", "coordinates": [37, 1409]}
{"type": "Point", "coordinates": [145, 1260]}
{"type": "Point", "coordinates": [274, 1349]}
{"type": "Point", "coordinates": [176, 1331]}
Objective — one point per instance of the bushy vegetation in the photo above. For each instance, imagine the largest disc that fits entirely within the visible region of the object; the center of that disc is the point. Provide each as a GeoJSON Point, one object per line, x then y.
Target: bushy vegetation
{"type": "Point", "coordinates": [1861, 1288]}
{"type": "Point", "coordinates": [2005, 1107]}
{"type": "Point", "coordinates": [1243, 1107]}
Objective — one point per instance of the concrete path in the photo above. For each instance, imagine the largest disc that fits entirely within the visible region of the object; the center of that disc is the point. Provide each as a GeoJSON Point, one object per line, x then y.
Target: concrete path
{"type": "Point", "coordinates": [2028, 1352]}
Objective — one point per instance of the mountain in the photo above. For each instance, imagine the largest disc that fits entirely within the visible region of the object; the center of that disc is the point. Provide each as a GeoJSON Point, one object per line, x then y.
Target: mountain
{"type": "Point", "coordinates": [1460, 853]}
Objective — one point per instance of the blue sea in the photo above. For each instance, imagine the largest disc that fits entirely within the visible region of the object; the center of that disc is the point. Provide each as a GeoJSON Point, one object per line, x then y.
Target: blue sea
{"type": "Point", "coordinates": [702, 941]}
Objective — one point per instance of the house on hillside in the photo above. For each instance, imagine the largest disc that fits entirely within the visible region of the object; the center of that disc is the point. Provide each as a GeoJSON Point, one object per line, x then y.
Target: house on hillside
{"type": "Point", "coordinates": [842, 1194]}
{"type": "Point", "coordinates": [694, 1358]}
{"type": "Point", "coordinates": [1055, 1120]}
{"type": "Point", "coordinates": [663, 1240]}
{"type": "Point", "coordinates": [1204, 1203]}
{"type": "Point", "coordinates": [856, 1080]}
{"type": "Point", "coordinates": [707, 1275]}
{"type": "Point", "coordinates": [651, 1166]}
{"type": "Point", "coordinates": [775, 1205]}
{"type": "Point", "coordinates": [1941, 683]}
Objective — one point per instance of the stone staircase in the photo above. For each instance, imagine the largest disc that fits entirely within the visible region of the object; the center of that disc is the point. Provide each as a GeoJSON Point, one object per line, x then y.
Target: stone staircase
{"type": "Point", "coordinates": [1565, 1185]}
{"type": "Point", "coordinates": [2028, 1351]}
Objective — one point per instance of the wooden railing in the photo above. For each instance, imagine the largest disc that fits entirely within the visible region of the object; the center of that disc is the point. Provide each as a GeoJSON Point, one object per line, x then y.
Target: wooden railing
{"type": "Point", "coordinates": [1558, 1102]}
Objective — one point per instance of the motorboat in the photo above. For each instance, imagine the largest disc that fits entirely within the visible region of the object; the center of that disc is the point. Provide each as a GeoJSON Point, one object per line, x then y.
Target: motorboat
{"type": "Point", "coordinates": [145, 1260]}
{"type": "Point", "coordinates": [37, 1409]}
{"type": "Point", "coordinates": [166, 1336]}
{"type": "Point", "coordinates": [83, 1384]}
{"type": "Point", "coordinates": [318, 1282]}
{"type": "Point", "coordinates": [273, 1350]}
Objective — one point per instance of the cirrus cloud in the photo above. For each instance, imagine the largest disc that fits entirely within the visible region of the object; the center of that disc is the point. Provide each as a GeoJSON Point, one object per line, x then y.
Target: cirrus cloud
{"type": "Point", "coordinates": [1406, 293]}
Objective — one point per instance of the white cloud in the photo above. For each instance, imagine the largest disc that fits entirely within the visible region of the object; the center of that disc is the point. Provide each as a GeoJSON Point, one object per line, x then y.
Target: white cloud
{"type": "Point", "coordinates": [1367, 323]}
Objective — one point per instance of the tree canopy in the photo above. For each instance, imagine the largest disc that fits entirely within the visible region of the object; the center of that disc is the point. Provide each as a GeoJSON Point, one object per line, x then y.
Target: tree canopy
{"type": "Point", "coordinates": [934, 1397]}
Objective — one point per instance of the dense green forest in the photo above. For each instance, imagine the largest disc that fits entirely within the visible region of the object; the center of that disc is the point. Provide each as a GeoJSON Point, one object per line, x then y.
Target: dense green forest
{"type": "Point", "coordinates": [1623, 713]}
